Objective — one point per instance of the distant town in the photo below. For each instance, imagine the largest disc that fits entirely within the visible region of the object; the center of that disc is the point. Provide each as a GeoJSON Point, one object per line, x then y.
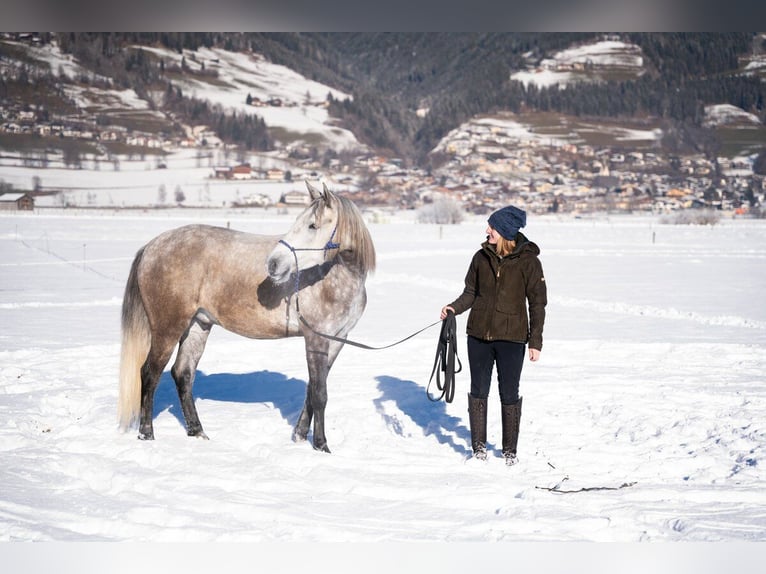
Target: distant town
{"type": "Point", "coordinates": [483, 170]}
{"type": "Point", "coordinates": [480, 168]}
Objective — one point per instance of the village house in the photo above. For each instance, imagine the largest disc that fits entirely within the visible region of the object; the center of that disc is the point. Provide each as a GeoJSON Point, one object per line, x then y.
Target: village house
{"type": "Point", "coordinates": [16, 202]}
{"type": "Point", "coordinates": [222, 172]}
{"type": "Point", "coordinates": [296, 197]}
{"type": "Point", "coordinates": [243, 171]}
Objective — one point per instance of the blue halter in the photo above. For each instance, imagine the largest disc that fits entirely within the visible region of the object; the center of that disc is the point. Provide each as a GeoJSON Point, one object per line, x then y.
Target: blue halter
{"type": "Point", "coordinates": [294, 250]}
{"type": "Point", "coordinates": [327, 246]}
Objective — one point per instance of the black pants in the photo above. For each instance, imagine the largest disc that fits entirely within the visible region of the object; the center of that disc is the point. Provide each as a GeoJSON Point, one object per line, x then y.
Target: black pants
{"type": "Point", "coordinates": [509, 357]}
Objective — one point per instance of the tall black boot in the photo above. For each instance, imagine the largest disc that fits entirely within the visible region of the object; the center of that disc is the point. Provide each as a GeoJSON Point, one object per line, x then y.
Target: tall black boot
{"type": "Point", "coordinates": [477, 417]}
{"type": "Point", "coordinates": [511, 416]}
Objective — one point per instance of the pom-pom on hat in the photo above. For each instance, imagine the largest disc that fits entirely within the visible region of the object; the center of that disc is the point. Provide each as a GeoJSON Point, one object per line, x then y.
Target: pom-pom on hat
{"type": "Point", "coordinates": [507, 221]}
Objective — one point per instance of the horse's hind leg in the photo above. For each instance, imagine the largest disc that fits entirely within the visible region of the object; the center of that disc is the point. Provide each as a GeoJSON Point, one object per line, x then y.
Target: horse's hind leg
{"type": "Point", "coordinates": [158, 357]}
{"type": "Point", "coordinates": [190, 349]}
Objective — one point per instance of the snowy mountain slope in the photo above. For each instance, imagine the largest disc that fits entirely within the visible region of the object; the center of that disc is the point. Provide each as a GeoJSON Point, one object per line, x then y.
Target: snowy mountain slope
{"type": "Point", "coordinates": [301, 112]}
{"type": "Point", "coordinates": [588, 62]}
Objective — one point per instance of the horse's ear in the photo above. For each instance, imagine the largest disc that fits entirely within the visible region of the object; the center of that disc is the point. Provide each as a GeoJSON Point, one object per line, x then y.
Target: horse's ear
{"type": "Point", "coordinates": [326, 193]}
{"type": "Point", "coordinates": [313, 191]}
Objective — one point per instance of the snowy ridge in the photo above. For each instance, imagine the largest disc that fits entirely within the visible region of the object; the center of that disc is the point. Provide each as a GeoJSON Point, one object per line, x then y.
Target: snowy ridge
{"type": "Point", "coordinates": [726, 113]}
{"type": "Point", "coordinates": [579, 62]}
{"type": "Point", "coordinates": [301, 109]}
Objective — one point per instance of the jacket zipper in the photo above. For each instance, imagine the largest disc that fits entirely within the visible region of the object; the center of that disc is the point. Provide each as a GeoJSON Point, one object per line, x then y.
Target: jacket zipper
{"type": "Point", "coordinates": [497, 286]}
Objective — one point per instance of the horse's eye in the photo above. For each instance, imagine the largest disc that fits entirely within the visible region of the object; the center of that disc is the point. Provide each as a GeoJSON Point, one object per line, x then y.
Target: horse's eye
{"type": "Point", "coordinates": [312, 226]}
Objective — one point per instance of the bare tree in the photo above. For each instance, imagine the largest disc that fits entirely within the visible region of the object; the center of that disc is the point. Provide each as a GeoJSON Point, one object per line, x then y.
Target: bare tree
{"type": "Point", "coordinates": [443, 210]}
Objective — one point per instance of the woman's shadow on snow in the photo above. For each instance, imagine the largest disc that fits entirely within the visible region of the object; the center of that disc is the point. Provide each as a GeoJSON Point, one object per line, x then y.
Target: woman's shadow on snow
{"type": "Point", "coordinates": [431, 416]}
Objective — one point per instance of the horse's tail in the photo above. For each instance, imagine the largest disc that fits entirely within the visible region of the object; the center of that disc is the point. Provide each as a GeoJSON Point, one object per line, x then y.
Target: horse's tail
{"type": "Point", "coordinates": [136, 340]}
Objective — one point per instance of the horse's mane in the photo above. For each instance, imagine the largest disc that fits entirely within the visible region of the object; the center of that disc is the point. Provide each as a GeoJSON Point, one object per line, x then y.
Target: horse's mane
{"type": "Point", "coordinates": [352, 233]}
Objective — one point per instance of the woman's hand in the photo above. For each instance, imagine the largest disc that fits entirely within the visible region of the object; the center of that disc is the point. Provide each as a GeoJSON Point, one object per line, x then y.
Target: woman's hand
{"type": "Point", "coordinates": [444, 312]}
{"type": "Point", "coordinates": [534, 355]}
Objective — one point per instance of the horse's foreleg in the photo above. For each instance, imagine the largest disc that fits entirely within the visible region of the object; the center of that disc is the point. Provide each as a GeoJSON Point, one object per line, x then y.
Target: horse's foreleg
{"type": "Point", "coordinates": [320, 356]}
{"type": "Point", "coordinates": [190, 349]}
{"type": "Point", "coordinates": [301, 430]}
{"type": "Point", "coordinates": [316, 393]}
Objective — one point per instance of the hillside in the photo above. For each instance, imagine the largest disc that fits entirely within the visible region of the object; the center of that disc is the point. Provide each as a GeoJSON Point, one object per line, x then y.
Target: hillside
{"type": "Point", "coordinates": [398, 116]}
{"type": "Point", "coordinates": [400, 92]}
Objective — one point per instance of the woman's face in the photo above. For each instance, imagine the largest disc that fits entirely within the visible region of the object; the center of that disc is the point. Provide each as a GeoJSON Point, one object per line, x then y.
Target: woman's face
{"type": "Point", "coordinates": [492, 235]}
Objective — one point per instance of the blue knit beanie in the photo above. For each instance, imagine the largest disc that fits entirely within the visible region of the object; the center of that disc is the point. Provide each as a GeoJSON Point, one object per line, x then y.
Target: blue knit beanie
{"type": "Point", "coordinates": [507, 221]}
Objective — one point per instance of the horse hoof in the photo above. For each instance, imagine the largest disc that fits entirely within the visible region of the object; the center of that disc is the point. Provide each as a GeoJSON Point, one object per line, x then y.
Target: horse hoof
{"type": "Point", "coordinates": [299, 437]}
{"type": "Point", "coordinates": [198, 434]}
{"type": "Point", "coordinates": [322, 448]}
{"type": "Point", "coordinates": [144, 436]}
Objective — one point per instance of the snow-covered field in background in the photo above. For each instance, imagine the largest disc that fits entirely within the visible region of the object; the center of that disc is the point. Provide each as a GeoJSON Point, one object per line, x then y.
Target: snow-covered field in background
{"type": "Point", "coordinates": [643, 420]}
{"type": "Point", "coordinates": [137, 182]}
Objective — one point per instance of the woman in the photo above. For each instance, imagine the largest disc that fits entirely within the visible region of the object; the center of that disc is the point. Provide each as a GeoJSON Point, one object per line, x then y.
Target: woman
{"type": "Point", "coordinates": [504, 279]}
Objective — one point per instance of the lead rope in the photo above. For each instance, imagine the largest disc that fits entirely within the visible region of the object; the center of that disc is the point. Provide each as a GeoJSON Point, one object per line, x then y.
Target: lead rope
{"type": "Point", "coordinates": [444, 362]}
{"type": "Point", "coordinates": [446, 352]}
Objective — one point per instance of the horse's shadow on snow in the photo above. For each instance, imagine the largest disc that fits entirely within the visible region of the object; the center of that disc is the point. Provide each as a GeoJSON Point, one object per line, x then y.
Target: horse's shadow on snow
{"type": "Point", "coordinates": [430, 416]}
{"type": "Point", "coordinates": [287, 396]}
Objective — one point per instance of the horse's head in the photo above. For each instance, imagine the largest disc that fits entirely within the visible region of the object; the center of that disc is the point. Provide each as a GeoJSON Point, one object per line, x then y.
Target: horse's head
{"type": "Point", "coordinates": [311, 239]}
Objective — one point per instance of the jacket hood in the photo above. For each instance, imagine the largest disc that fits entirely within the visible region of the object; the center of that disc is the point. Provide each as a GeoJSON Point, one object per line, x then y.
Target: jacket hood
{"type": "Point", "coordinates": [523, 245]}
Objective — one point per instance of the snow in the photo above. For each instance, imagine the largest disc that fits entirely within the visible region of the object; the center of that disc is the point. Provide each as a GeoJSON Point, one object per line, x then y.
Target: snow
{"type": "Point", "coordinates": [137, 182]}
{"type": "Point", "coordinates": [94, 98]}
{"type": "Point", "coordinates": [601, 53]}
{"type": "Point", "coordinates": [719, 114]}
{"type": "Point", "coordinates": [231, 77]}
{"type": "Point", "coordinates": [566, 66]}
{"type": "Point", "coordinates": [239, 74]}
{"type": "Point", "coordinates": [641, 421]}
{"type": "Point", "coordinates": [507, 129]}
{"type": "Point", "coordinates": [52, 56]}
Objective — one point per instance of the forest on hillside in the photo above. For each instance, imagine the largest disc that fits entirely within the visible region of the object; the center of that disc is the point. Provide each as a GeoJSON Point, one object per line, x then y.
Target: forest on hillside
{"type": "Point", "coordinates": [454, 75]}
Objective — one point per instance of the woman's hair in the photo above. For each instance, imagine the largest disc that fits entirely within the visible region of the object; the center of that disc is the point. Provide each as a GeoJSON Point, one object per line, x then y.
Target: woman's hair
{"type": "Point", "coordinates": [504, 246]}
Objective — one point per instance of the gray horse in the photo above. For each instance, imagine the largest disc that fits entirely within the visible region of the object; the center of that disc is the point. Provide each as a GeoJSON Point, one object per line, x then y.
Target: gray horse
{"type": "Point", "coordinates": [309, 282]}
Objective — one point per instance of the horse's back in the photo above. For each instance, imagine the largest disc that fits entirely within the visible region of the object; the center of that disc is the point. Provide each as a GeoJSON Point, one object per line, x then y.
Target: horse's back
{"type": "Point", "coordinates": [194, 251]}
{"type": "Point", "coordinates": [202, 266]}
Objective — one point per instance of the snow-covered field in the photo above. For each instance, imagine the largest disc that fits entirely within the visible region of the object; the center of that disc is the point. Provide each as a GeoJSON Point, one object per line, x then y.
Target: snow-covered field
{"type": "Point", "coordinates": [640, 421]}
{"type": "Point", "coordinates": [138, 183]}
{"type": "Point", "coordinates": [643, 421]}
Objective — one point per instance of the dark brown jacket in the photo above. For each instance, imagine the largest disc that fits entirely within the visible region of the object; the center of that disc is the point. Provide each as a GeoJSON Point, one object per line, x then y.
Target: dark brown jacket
{"type": "Point", "coordinates": [497, 291]}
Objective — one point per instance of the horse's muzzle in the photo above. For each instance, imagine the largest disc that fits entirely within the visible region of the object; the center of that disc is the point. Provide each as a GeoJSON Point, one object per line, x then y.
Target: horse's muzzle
{"type": "Point", "coordinates": [278, 269]}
